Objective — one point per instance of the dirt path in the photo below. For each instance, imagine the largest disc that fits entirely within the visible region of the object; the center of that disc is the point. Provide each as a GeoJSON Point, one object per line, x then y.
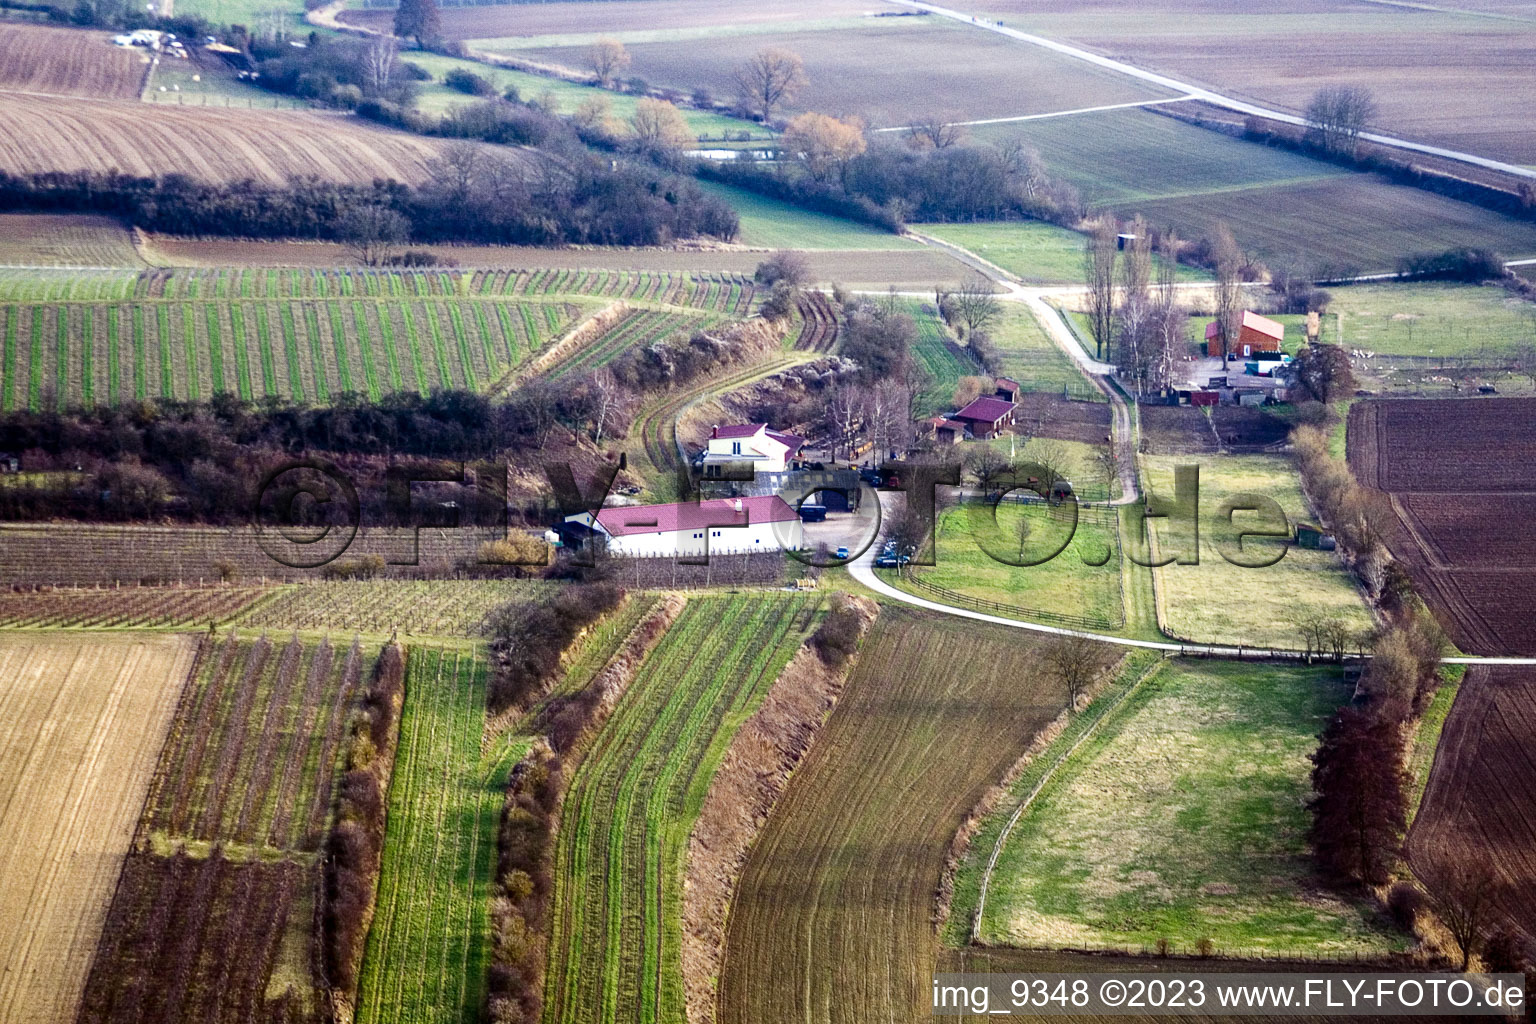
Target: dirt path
{"type": "Point", "coordinates": [82, 721]}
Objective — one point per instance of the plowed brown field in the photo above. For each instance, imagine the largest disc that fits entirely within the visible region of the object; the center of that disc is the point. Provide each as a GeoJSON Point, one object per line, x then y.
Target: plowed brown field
{"type": "Point", "coordinates": [1482, 791]}
{"type": "Point", "coordinates": [833, 915]}
{"type": "Point", "coordinates": [68, 62]}
{"type": "Point", "coordinates": [1460, 478]}
{"type": "Point", "coordinates": [210, 143]}
{"type": "Point", "coordinates": [81, 724]}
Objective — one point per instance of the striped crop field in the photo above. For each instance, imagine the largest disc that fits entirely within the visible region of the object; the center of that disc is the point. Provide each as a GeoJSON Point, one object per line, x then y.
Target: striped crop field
{"type": "Point", "coordinates": [85, 338]}
{"type": "Point", "coordinates": [942, 365]}
{"type": "Point", "coordinates": [214, 917]}
{"type": "Point", "coordinates": [615, 943]}
{"type": "Point", "coordinates": [126, 607]}
{"type": "Point", "coordinates": [635, 329]}
{"type": "Point", "coordinates": [414, 607]}
{"type": "Point", "coordinates": [254, 753]}
{"type": "Point", "coordinates": [427, 950]}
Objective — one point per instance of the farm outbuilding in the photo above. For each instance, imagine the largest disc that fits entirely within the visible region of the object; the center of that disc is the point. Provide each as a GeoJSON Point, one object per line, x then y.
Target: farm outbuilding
{"type": "Point", "coordinates": [716, 525]}
{"type": "Point", "coordinates": [1255, 334]}
{"type": "Point", "coordinates": [986, 417]}
{"type": "Point", "coordinates": [1313, 537]}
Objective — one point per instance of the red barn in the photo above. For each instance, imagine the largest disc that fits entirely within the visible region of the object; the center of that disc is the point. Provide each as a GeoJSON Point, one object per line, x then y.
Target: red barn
{"type": "Point", "coordinates": [1255, 334]}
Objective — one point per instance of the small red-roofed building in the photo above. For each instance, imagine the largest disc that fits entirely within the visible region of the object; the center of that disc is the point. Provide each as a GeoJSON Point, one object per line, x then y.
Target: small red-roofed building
{"type": "Point", "coordinates": [987, 416]}
{"type": "Point", "coordinates": [714, 526]}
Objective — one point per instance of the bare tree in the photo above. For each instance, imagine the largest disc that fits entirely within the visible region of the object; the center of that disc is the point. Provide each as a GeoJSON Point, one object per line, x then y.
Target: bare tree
{"type": "Point", "coordinates": [1228, 259]}
{"type": "Point", "coordinates": [772, 76]}
{"type": "Point", "coordinates": [975, 304]}
{"type": "Point", "coordinates": [1525, 361]}
{"type": "Point", "coordinates": [658, 127]}
{"type": "Point", "coordinates": [936, 130]}
{"type": "Point", "coordinates": [1073, 660]}
{"type": "Point", "coordinates": [608, 60]}
{"type": "Point", "coordinates": [605, 400]}
{"type": "Point", "coordinates": [1464, 899]}
{"type": "Point", "coordinates": [1136, 268]}
{"type": "Point", "coordinates": [1337, 114]}
{"type": "Point", "coordinates": [1135, 349]}
{"type": "Point", "coordinates": [379, 62]}
{"type": "Point", "coordinates": [372, 233]}
{"type": "Point", "coordinates": [843, 415]}
{"type": "Point", "coordinates": [986, 464]}
{"type": "Point", "coordinates": [1099, 272]}
{"type": "Point", "coordinates": [457, 169]}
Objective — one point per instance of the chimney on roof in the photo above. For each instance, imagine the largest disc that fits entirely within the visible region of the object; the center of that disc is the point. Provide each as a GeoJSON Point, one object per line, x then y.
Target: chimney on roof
{"type": "Point", "coordinates": [714, 431]}
{"type": "Point", "coordinates": [738, 506]}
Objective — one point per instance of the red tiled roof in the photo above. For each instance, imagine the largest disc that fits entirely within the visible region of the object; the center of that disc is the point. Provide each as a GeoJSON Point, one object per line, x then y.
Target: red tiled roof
{"type": "Point", "coordinates": [739, 430]}
{"type": "Point", "coordinates": [695, 515]}
{"type": "Point", "coordinates": [794, 442]}
{"type": "Point", "coordinates": [985, 410]}
{"type": "Point", "coordinates": [1264, 325]}
{"type": "Point", "coordinates": [999, 382]}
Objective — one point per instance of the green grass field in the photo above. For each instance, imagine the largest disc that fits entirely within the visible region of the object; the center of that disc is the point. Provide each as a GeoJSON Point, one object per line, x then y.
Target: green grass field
{"type": "Point", "coordinates": [1037, 252]}
{"type": "Point", "coordinates": [1218, 602]}
{"type": "Point", "coordinates": [1183, 817]}
{"type": "Point", "coordinates": [1032, 358]}
{"type": "Point", "coordinates": [975, 546]}
{"type": "Point", "coordinates": [614, 951]}
{"type": "Point", "coordinates": [564, 96]}
{"type": "Point", "coordinates": [774, 225]}
{"type": "Point", "coordinates": [1426, 738]}
{"type": "Point", "coordinates": [942, 366]}
{"type": "Point", "coordinates": [100, 338]}
{"type": "Point", "coordinates": [427, 950]}
{"type": "Point", "coordinates": [1284, 208]}
{"type": "Point", "coordinates": [1427, 318]}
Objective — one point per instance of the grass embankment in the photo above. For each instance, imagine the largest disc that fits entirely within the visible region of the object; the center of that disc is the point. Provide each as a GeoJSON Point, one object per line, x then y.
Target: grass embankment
{"type": "Point", "coordinates": [771, 224]}
{"type": "Point", "coordinates": [615, 946]}
{"type": "Point", "coordinates": [1184, 819]}
{"type": "Point", "coordinates": [1218, 602]}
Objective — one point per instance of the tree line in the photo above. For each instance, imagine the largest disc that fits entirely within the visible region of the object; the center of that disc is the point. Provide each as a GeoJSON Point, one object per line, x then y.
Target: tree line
{"type": "Point", "coordinates": [473, 196]}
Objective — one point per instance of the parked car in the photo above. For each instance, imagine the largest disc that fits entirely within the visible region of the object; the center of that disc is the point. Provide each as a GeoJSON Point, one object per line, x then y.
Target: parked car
{"type": "Point", "coordinates": [842, 552]}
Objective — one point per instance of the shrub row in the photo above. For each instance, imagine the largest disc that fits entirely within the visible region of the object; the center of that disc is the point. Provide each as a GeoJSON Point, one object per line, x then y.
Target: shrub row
{"type": "Point", "coordinates": [354, 849]}
{"type": "Point", "coordinates": [528, 640]}
{"type": "Point", "coordinates": [837, 638]}
{"type": "Point", "coordinates": [520, 906]}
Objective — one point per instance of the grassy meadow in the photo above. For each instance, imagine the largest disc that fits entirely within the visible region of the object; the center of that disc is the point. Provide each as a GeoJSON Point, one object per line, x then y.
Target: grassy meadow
{"type": "Point", "coordinates": [771, 224]}
{"type": "Point", "coordinates": [1218, 602]}
{"type": "Point", "coordinates": [1183, 818]}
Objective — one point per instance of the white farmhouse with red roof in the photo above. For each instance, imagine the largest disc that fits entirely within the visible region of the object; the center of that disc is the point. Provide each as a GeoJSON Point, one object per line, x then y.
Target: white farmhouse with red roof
{"type": "Point", "coordinates": [716, 526]}
{"type": "Point", "coordinates": [765, 449]}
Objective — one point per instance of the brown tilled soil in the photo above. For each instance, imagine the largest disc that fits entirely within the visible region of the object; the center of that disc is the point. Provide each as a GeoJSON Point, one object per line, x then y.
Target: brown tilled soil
{"type": "Point", "coordinates": [1456, 479]}
{"type": "Point", "coordinates": [486, 22]}
{"type": "Point", "coordinates": [1050, 415]}
{"type": "Point", "coordinates": [45, 133]}
{"type": "Point", "coordinates": [68, 62]}
{"type": "Point", "coordinates": [81, 725]}
{"type": "Point", "coordinates": [1183, 430]}
{"type": "Point", "coordinates": [1481, 799]}
{"type": "Point", "coordinates": [66, 240]}
{"type": "Point", "coordinates": [750, 780]}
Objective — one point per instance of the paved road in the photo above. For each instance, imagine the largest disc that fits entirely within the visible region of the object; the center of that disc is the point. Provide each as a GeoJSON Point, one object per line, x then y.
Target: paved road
{"type": "Point", "coordinates": [1197, 92]}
